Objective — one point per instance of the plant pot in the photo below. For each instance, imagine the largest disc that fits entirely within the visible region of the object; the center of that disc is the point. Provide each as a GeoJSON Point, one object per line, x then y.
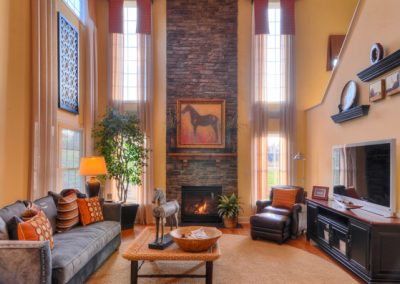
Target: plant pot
{"type": "Point", "coordinates": [230, 222]}
{"type": "Point", "coordinates": [128, 215]}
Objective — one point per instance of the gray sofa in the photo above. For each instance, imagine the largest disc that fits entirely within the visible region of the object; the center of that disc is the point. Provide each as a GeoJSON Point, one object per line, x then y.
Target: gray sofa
{"type": "Point", "coordinates": [77, 253]}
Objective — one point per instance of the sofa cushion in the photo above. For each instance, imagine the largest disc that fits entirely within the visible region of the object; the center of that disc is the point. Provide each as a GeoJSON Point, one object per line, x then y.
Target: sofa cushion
{"type": "Point", "coordinates": [67, 212]}
{"type": "Point", "coordinates": [37, 228]}
{"type": "Point", "coordinates": [74, 248]}
{"type": "Point", "coordinates": [284, 198]}
{"type": "Point", "coordinates": [3, 230]}
{"type": "Point", "coordinates": [47, 205]}
{"type": "Point", "coordinates": [7, 213]}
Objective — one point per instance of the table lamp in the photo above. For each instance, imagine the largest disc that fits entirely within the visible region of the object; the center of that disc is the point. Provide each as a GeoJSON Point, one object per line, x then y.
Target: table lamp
{"type": "Point", "coordinates": [93, 167]}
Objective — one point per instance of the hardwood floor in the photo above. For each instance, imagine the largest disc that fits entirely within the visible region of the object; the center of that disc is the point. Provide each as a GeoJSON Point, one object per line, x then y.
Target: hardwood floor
{"type": "Point", "coordinates": [300, 243]}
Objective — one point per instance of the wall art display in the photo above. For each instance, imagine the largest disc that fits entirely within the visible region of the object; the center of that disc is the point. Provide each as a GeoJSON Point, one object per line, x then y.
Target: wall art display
{"type": "Point", "coordinates": [392, 83]}
{"type": "Point", "coordinates": [377, 91]}
{"type": "Point", "coordinates": [68, 65]}
{"type": "Point", "coordinates": [201, 123]}
{"type": "Point", "coordinates": [320, 192]}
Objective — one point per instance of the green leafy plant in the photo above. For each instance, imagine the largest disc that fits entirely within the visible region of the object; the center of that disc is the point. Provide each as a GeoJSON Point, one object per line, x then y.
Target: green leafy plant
{"type": "Point", "coordinates": [229, 206]}
{"type": "Point", "coordinates": [120, 140]}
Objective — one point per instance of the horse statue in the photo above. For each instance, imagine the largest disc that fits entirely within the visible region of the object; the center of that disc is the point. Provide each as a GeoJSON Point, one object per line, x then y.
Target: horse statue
{"type": "Point", "coordinates": [162, 211]}
{"type": "Point", "coordinates": [201, 120]}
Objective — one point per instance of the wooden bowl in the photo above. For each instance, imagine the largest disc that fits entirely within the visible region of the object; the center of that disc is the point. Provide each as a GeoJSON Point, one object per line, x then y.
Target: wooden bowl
{"type": "Point", "coordinates": [195, 245]}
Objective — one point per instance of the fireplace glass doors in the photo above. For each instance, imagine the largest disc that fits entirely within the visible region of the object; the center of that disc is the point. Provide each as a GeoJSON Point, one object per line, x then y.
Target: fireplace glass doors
{"type": "Point", "coordinates": [200, 204]}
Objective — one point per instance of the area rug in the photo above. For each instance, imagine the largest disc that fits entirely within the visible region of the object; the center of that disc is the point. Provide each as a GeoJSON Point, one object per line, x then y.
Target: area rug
{"type": "Point", "coordinates": [242, 261]}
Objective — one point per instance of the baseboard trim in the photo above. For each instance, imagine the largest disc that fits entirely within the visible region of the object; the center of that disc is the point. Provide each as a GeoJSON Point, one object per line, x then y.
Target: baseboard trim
{"type": "Point", "coordinates": [244, 220]}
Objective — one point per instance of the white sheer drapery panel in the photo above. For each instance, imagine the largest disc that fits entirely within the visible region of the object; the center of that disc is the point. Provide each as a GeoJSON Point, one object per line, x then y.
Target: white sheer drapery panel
{"type": "Point", "coordinates": [145, 111]}
{"type": "Point", "coordinates": [259, 119]}
{"type": "Point", "coordinates": [116, 92]}
{"type": "Point", "coordinates": [287, 111]}
{"type": "Point", "coordinates": [90, 113]}
{"type": "Point", "coordinates": [44, 102]}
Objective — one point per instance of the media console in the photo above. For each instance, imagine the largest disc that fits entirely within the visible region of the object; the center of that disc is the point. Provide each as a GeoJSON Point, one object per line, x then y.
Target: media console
{"type": "Point", "coordinates": [366, 243]}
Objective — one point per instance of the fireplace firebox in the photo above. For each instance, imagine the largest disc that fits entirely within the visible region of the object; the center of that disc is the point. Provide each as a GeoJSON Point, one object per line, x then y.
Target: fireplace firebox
{"type": "Point", "coordinates": [200, 204]}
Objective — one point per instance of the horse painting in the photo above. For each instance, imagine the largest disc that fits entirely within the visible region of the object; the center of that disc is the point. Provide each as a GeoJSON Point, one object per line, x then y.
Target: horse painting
{"type": "Point", "coordinates": [201, 123]}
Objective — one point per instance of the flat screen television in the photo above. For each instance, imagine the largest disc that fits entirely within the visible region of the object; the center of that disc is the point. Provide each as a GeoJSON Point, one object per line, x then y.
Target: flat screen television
{"type": "Point", "coordinates": [364, 174]}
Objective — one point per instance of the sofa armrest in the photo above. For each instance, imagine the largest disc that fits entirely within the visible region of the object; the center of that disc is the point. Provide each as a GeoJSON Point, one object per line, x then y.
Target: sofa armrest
{"type": "Point", "coordinates": [112, 211]}
{"type": "Point", "coordinates": [261, 204]}
{"type": "Point", "coordinates": [25, 262]}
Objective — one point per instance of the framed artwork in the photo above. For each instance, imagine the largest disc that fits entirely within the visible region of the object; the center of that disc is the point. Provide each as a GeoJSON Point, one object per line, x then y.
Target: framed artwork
{"type": "Point", "coordinates": [320, 192]}
{"type": "Point", "coordinates": [392, 83]}
{"type": "Point", "coordinates": [377, 91]}
{"type": "Point", "coordinates": [68, 66]}
{"type": "Point", "coordinates": [200, 123]}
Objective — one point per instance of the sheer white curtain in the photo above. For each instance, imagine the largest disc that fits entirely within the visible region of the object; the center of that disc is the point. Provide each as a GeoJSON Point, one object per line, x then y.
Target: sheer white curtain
{"type": "Point", "coordinates": [44, 102]}
{"type": "Point", "coordinates": [145, 110]}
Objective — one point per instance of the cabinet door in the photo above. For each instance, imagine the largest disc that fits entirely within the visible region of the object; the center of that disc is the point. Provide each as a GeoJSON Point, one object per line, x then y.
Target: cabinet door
{"type": "Point", "coordinates": [312, 213]}
{"type": "Point", "coordinates": [359, 245]}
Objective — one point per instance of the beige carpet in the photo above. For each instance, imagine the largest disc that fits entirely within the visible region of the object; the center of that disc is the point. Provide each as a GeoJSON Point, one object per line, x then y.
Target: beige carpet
{"type": "Point", "coordinates": [242, 261]}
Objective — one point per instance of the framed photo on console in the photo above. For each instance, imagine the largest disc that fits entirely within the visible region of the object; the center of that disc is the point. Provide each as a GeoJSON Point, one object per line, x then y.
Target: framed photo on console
{"type": "Point", "coordinates": [200, 123]}
{"type": "Point", "coordinates": [320, 192]}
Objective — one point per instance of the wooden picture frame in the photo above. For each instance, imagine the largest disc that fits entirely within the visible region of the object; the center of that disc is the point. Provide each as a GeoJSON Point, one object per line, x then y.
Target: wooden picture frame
{"type": "Point", "coordinates": [377, 90]}
{"type": "Point", "coordinates": [200, 123]}
{"type": "Point", "coordinates": [320, 192]}
{"type": "Point", "coordinates": [68, 65]}
{"type": "Point", "coordinates": [392, 83]}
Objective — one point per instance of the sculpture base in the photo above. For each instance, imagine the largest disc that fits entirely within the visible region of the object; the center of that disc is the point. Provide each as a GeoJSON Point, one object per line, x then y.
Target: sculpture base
{"type": "Point", "coordinates": [162, 245]}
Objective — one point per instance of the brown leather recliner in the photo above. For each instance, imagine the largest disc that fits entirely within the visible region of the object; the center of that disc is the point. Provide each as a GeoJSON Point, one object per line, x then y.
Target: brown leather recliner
{"type": "Point", "coordinates": [277, 224]}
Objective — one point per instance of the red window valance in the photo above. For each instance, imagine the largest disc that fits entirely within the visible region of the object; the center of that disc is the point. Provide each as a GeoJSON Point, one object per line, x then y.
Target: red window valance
{"type": "Point", "coordinates": [116, 16]}
{"type": "Point", "coordinates": [143, 17]}
{"type": "Point", "coordinates": [287, 17]}
{"type": "Point", "coordinates": [261, 17]}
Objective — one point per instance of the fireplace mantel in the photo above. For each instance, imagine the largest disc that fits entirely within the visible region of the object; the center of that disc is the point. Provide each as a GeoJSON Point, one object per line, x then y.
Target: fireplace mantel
{"type": "Point", "coordinates": [185, 157]}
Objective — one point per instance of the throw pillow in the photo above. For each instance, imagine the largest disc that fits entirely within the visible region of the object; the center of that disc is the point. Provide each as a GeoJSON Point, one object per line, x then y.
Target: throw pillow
{"type": "Point", "coordinates": [38, 228]}
{"type": "Point", "coordinates": [31, 211]}
{"type": "Point", "coordinates": [47, 205]}
{"type": "Point", "coordinates": [284, 198]}
{"type": "Point", "coordinates": [90, 210]}
{"type": "Point", "coordinates": [67, 213]}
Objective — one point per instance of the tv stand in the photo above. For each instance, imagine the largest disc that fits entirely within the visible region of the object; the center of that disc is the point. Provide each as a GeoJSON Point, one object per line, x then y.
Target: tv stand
{"type": "Point", "coordinates": [366, 243]}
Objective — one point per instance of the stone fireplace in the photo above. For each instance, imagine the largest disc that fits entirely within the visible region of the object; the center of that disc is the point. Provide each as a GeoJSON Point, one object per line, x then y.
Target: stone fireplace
{"type": "Point", "coordinates": [201, 64]}
{"type": "Point", "coordinates": [199, 204]}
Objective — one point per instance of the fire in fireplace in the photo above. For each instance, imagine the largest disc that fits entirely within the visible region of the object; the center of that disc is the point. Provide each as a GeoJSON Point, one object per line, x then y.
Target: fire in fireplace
{"type": "Point", "coordinates": [200, 204]}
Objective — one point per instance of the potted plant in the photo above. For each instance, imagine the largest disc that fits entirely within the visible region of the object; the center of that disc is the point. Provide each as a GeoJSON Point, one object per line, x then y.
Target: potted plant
{"type": "Point", "coordinates": [119, 138]}
{"type": "Point", "coordinates": [229, 208]}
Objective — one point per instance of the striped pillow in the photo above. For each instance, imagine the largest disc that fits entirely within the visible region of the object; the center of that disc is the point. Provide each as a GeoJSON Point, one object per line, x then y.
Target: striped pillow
{"type": "Point", "coordinates": [67, 213]}
{"type": "Point", "coordinates": [284, 198]}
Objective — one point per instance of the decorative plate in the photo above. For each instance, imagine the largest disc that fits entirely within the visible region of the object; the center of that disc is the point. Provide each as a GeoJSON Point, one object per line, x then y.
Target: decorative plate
{"type": "Point", "coordinates": [349, 96]}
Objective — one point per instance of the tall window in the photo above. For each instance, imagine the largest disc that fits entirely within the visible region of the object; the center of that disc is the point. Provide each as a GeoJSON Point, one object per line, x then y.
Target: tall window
{"type": "Point", "coordinates": [75, 6]}
{"type": "Point", "coordinates": [130, 52]}
{"type": "Point", "coordinates": [69, 156]}
{"type": "Point", "coordinates": [273, 144]}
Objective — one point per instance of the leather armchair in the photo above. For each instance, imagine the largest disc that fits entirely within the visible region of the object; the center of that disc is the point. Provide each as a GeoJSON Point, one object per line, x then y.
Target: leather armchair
{"type": "Point", "coordinates": [277, 223]}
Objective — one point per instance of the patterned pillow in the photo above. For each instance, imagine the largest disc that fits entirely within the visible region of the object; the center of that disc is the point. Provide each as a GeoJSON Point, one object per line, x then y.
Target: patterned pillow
{"type": "Point", "coordinates": [284, 198]}
{"type": "Point", "coordinates": [67, 212]}
{"type": "Point", "coordinates": [90, 210]}
{"type": "Point", "coordinates": [38, 228]}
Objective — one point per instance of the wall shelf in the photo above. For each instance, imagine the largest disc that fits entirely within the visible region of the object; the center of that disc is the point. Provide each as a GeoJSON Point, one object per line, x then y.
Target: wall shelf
{"type": "Point", "coordinates": [358, 111]}
{"type": "Point", "coordinates": [381, 67]}
{"type": "Point", "coordinates": [185, 157]}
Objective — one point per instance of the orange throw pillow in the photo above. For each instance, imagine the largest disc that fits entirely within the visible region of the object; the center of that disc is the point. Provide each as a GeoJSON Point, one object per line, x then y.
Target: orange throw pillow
{"type": "Point", "coordinates": [90, 210]}
{"type": "Point", "coordinates": [38, 228]}
{"type": "Point", "coordinates": [284, 198]}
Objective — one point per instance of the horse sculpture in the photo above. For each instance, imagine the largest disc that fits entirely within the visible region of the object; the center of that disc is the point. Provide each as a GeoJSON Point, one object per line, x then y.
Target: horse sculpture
{"type": "Point", "coordinates": [202, 120]}
{"type": "Point", "coordinates": [162, 211]}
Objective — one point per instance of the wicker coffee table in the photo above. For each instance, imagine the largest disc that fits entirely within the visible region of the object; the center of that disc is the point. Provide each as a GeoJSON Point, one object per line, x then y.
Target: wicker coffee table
{"type": "Point", "coordinates": [139, 251]}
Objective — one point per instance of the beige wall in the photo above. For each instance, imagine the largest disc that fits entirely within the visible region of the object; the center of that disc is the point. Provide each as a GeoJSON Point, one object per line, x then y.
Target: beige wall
{"type": "Point", "coordinates": [376, 21]}
{"type": "Point", "coordinates": [15, 86]}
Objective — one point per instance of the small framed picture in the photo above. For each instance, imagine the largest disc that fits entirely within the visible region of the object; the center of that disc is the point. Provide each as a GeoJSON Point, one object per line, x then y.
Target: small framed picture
{"type": "Point", "coordinates": [377, 91]}
{"type": "Point", "coordinates": [392, 83]}
{"type": "Point", "coordinates": [320, 192]}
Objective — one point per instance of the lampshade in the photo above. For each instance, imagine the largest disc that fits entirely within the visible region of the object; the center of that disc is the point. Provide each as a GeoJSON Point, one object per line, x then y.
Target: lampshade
{"type": "Point", "coordinates": [299, 157]}
{"type": "Point", "coordinates": [92, 166]}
